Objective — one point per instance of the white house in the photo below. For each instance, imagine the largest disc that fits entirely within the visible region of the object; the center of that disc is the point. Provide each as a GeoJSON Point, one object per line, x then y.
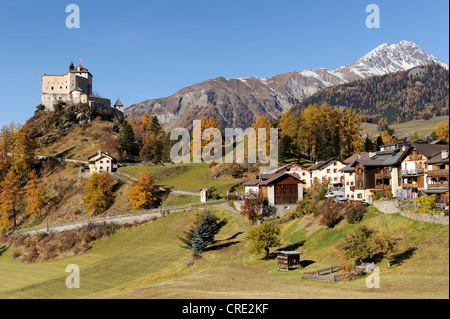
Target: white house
{"type": "Point", "coordinates": [101, 162]}
{"type": "Point", "coordinates": [329, 170]}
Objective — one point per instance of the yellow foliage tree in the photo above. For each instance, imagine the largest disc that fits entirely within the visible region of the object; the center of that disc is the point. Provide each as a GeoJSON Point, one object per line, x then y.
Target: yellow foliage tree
{"type": "Point", "coordinates": [98, 193]}
{"type": "Point", "coordinates": [35, 195]}
{"type": "Point", "coordinates": [145, 193]}
{"type": "Point", "coordinates": [264, 123]}
{"type": "Point", "coordinates": [442, 131]}
{"type": "Point", "coordinates": [9, 199]}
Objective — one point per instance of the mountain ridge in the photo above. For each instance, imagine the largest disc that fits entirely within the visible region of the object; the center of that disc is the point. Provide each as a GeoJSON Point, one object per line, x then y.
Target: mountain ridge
{"type": "Point", "coordinates": [236, 102]}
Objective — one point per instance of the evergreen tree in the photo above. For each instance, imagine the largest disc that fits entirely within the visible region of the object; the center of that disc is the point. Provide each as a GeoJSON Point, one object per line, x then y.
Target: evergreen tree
{"type": "Point", "coordinates": [128, 142]}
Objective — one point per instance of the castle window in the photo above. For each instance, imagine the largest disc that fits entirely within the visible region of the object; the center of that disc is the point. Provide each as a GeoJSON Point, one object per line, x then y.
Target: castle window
{"type": "Point", "coordinates": [52, 87]}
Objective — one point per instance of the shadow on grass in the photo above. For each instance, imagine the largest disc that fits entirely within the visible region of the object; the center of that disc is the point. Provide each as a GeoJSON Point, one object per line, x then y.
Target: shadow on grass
{"type": "Point", "coordinates": [306, 263]}
{"type": "Point", "coordinates": [398, 259]}
{"type": "Point", "coordinates": [220, 246]}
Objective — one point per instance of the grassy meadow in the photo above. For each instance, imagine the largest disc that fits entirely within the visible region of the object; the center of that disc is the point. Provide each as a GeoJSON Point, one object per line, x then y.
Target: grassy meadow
{"type": "Point", "coordinates": [148, 262]}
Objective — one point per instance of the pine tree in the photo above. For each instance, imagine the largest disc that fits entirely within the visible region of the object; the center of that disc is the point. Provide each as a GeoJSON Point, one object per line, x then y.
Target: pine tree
{"type": "Point", "coordinates": [128, 142]}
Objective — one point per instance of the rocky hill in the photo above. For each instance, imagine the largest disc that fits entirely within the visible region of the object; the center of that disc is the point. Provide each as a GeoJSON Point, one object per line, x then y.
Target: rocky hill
{"type": "Point", "coordinates": [237, 102]}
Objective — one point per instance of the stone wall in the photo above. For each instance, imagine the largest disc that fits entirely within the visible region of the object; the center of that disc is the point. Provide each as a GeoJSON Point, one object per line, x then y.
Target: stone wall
{"type": "Point", "coordinates": [390, 207]}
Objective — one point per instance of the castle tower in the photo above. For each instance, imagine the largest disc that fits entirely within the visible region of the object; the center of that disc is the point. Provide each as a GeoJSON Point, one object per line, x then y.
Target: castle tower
{"type": "Point", "coordinates": [71, 67]}
{"type": "Point", "coordinates": [119, 105]}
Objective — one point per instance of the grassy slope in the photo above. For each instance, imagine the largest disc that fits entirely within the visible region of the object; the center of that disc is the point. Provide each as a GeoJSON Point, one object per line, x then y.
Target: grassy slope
{"type": "Point", "coordinates": [186, 177]}
{"type": "Point", "coordinates": [147, 262]}
{"type": "Point", "coordinates": [423, 127]}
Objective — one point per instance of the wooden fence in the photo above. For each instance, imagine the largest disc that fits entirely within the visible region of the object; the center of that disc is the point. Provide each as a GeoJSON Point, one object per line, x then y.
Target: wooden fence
{"type": "Point", "coordinates": [325, 274]}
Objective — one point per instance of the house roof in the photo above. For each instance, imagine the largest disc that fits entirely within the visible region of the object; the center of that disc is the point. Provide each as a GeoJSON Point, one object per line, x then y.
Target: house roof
{"type": "Point", "coordinates": [100, 155]}
{"type": "Point", "coordinates": [285, 167]}
{"type": "Point", "coordinates": [274, 177]}
{"type": "Point", "coordinates": [386, 158]}
{"type": "Point", "coordinates": [355, 156]}
{"type": "Point", "coordinates": [437, 159]}
{"type": "Point", "coordinates": [429, 150]}
{"type": "Point", "coordinates": [267, 179]}
{"type": "Point", "coordinates": [321, 164]}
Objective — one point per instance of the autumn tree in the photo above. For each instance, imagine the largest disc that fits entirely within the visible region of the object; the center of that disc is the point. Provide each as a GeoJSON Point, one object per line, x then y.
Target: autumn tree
{"type": "Point", "coordinates": [10, 197]}
{"type": "Point", "coordinates": [204, 125]}
{"type": "Point", "coordinates": [6, 148]}
{"type": "Point", "coordinates": [24, 144]}
{"type": "Point", "coordinates": [34, 195]}
{"type": "Point", "coordinates": [262, 237]}
{"type": "Point", "coordinates": [262, 122]}
{"type": "Point", "coordinates": [99, 192]}
{"type": "Point", "coordinates": [144, 194]}
{"type": "Point", "coordinates": [442, 131]}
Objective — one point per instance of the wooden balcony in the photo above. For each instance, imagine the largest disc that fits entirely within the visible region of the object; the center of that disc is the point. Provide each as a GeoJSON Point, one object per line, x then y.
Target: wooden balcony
{"type": "Point", "coordinates": [383, 187]}
{"type": "Point", "coordinates": [384, 174]}
{"type": "Point", "coordinates": [438, 172]}
{"type": "Point", "coordinates": [442, 185]}
{"type": "Point", "coordinates": [412, 186]}
{"type": "Point", "coordinates": [411, 172]}
{"type": "Point", "coordinates": [415, 157]}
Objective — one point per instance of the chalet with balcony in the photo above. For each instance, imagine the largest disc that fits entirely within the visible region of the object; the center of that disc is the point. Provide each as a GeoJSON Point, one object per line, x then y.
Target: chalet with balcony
{"type": "Point", "coordinates": [437, 174]}
{"type": "Point", "coordinates": [377, 172]}
{"type": "Point", "coordinates": [349, 175]}
{"type": "Point", "coordinates": [414, 167]}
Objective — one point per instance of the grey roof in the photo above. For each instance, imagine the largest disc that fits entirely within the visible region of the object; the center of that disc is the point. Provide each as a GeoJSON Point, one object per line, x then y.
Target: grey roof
{"type": "Point", "coordinates": [386, 158]}
{"type": "Point", "coordinates": [118, 103]}
{"type": "Point", "coordinates": [437, 159]}
{"type": "Point", "coordinates": [348, 168]}
{"type": "Point", "coordinates": [320, 164]}
{"type": "Point", "coordinates": [288, 252]}
{"type": "Point", "coordinates": [429, 150]}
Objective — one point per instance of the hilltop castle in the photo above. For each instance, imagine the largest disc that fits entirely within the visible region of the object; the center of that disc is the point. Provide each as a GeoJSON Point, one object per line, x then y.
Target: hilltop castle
{"type": "Point", "coordinates": [75, 88]}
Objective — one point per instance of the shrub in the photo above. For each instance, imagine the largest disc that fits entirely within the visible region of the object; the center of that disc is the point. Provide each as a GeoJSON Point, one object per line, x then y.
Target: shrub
{"type": "Point", "coordinates": [330, 212]}
{"type": "Point", "coordinates": [355, 213]}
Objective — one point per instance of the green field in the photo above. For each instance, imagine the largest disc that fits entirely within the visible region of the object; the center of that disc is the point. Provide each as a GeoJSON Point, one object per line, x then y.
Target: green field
{"type": "Point", "coordinates": [148, 262]}
{"type": "Point", "coordinates": [185, 177]}
{"type": "Point", "coordinates": [423, 127]}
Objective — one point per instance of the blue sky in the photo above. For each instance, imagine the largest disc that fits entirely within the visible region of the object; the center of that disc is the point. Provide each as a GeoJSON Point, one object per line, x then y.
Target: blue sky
{"type": "Point", "coordinates": [139, 50]}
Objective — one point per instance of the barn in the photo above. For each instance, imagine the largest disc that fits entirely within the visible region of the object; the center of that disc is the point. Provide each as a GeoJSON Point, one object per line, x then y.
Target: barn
{"type": "Point", "coordinates": [281, 188]}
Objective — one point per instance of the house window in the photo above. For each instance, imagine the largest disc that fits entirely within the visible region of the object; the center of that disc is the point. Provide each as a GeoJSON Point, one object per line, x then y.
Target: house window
{"type": "Point", "coordinates": [304, 173]}
{"type": "Point", "coordinates": [346, 184]}
{"type": "Point", "coordinates": [359, 196]}
{"type": "Point", "coordinates": [335, 171]}
{"type": "Point", "coordinates": [328, 170]}
{"type": "Point", "coordinates": [351, 183]}
{"type": "Point", "coordinates": [359, 183]}
{"type": "Point", "coordinates": [353, 196]}
{"type": "Point", "coordinates": [359, 171]}
{"type": "Point", "coordinates": [350, 174]}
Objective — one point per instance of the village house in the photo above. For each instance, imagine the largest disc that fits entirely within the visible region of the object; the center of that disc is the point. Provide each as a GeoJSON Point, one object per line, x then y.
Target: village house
{"type": "Point", "coordinates": [102, 162]}
{"type": "Point", "coordinates": [349, 175]}
{"type": "Point", "coordinates": [378, 172]}
{"type": "Point", "coordinates": [437, 175]}
{"type": "Point", "coordinates": [281, 189]}
{"type": "Point", "coordinates": [329, 170]}
{"type": "Point", "coordinates": [414, 167]}
{"type": "Point", "coordinates": [293, 168]}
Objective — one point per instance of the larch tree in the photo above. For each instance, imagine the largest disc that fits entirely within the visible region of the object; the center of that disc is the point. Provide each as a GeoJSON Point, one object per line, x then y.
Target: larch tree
{"type": "Point", "coordinates": [442, 131]}
{"type": "Point", "coordinates": [262, 237]}
{"type": "Point", "coordinates": [34, 195]}
{"type": "Point", "coordinates": [144, 194]}
{"type": "Point", "coordinates": [262, 122]}
{"type": "Point", "coordinates": [98, 193]}
{"type": "Point", "coordinates": [10, 197]}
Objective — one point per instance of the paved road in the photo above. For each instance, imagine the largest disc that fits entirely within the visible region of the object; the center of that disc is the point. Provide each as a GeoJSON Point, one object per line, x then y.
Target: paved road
{"type": "Point", "coordinates": [120, 219]}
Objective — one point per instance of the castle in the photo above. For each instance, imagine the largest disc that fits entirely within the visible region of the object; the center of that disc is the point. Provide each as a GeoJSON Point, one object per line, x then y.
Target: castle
{"type": "Point", "coordinates": [75, 88]}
